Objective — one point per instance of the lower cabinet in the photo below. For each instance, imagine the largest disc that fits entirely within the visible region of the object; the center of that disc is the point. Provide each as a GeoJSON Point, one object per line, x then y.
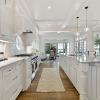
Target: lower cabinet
{"type": "Point", "coordinates": [72, 69]}
{"type": "Point", "coordinates": [11, 81]}
{"type": "Point", "coordinates": [27, 73]}
{"type": "Point", "coordinates": [14, 78]}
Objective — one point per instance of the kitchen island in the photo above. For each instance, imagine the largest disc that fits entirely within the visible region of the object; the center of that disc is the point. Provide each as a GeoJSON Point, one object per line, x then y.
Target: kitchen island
{"type": "Point", "coordinates": [84, 73]}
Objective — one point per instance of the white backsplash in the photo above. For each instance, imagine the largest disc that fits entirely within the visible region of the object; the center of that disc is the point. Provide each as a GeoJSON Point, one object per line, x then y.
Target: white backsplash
{"type": "Point", "coordinates": [2, 47]}
{"type": "Point", "coordinates": [10, 48]}
{"type": "Point", "coordinates": [13, 50]}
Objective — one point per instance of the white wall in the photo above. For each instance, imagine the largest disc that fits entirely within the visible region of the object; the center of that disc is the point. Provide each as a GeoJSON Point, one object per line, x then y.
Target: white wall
{"type": "Point", "coordinates": [56, 36]}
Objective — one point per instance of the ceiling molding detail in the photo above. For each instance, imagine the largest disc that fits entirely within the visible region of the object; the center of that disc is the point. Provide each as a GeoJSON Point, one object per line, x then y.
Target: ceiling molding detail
{"type": "Point", "coordinates": [72, 11]}
{"type": "Point", "coordinates": [23, 6]}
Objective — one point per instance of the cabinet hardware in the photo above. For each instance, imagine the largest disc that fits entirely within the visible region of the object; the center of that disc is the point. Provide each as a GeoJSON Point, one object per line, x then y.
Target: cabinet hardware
{"type": "Point", "coordinates": [9, 70]}
{"type": "Point", "coordinates": [15, 91]}
{"type": "Point", "coordinates": [15, 78]}
{"type": "Point", "coordinates": [3, 35]}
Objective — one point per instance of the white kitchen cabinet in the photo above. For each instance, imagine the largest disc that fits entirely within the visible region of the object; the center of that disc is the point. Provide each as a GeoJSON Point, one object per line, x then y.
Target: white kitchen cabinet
{"type": "Point", "coordinates": [84, 76]}
{"type": "Point", "coordinates": [6, 21]}
{"type": "Point", "coordinates": [11, 83]}
{"type": "Point", "coordinates": [18, 24]}
{"type": "Point", "coordinates": [27, 73]}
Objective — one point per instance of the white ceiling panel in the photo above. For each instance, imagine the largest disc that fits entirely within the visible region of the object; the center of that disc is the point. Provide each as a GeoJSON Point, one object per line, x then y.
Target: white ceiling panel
{"type": "Point", "coordinates": [39, 8]}
{"type": "Point", "coordinates": [93, 13]}
{"type": "Point", "coordinates": [63, 13]}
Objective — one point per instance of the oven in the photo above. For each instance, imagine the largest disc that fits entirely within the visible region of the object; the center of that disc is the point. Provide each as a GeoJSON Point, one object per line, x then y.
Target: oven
{"type": "Point", "coordinates": [34, 66]}
{"type": "Point", "coordinates": [34, 63]}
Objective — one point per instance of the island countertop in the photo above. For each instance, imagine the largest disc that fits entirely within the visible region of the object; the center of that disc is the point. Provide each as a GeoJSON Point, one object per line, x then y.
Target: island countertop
{"type": "Point", "coordinates": [85, 59]}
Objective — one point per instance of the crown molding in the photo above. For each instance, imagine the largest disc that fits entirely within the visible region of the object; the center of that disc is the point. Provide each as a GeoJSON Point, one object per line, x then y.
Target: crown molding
{"type": "Point", "coordinates": [28, 16]}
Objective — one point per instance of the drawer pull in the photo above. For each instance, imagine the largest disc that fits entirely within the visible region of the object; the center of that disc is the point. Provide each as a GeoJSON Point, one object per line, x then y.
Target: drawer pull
{"type": "Point", "coordinates": [10, 70]}
{"type": "Point", "coordinates": [15, 91]}
{"type": "Point", "coordinates": [15, 78]}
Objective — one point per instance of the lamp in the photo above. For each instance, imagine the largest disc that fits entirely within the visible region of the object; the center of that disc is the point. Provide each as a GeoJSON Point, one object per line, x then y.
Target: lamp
{"type": "Point", "coordinates": [86, 28]}
{"type": "Point", "coordinates": [77, 33]}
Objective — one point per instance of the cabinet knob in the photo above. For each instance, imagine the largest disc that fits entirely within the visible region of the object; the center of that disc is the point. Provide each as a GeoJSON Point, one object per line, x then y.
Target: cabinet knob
{"type": "Point", "coordinates": [3, 35]}
{"type": "Point", "coordinates": [15, 78]}
{"type": "Point", "coordinates": [15, 91]}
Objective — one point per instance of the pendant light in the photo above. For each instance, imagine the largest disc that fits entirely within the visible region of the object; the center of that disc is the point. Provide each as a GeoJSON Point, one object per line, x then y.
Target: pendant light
{"type": "Point", "coordinates": [77, 33]}
{"type": "Point", "coordinates": [86, 28]}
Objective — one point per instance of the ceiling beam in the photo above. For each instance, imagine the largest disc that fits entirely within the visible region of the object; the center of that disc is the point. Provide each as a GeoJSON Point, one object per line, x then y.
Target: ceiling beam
{"type": "Point", "coordinates": [61, 30]}
{"type": "Point", "coordinates": [44, 21]}
{"type": "Point", "coordinates": [72, 11]}
{"type": "Point", "coordinates": [96, 21]}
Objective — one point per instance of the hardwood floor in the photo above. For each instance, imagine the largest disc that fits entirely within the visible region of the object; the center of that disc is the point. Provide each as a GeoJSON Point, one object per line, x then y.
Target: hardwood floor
{"type": "Point", "coordinates": [31, 94]}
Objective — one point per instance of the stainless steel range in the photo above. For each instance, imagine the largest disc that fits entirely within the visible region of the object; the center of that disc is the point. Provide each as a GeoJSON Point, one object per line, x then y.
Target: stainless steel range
{"type": "Point", "coordinates": [34, 66]}
{"type": "Point", "coordinates": [34, 63]}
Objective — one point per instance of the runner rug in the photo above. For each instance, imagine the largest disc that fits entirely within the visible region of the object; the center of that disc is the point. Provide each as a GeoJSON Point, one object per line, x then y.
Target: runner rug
{"type": "Point", "coordinates": [50, 81]}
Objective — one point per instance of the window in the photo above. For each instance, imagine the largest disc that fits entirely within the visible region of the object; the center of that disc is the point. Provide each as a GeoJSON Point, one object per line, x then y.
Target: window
{"type": "Point", "coordinates": [77, 46]}
{"type": "Point", "coordinates": [97, 45]}
{"type": "Point", "coordinates": [60, 48]}
{"type": "Point", "coordinates": [67, 47]}
{"type": "Point", "coordinates": [57, 47]}
{"type": "Point", "coordinates": [80, 46]}
{"type": "Point", "coordinates": [47, 48]}
{"type": "Point", "coordinates": [96, 36]}
{"type": "Point", "coordinates": [84, 45]}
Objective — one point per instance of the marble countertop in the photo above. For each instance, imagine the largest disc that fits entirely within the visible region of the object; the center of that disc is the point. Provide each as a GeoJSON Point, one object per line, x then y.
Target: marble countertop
{"type": "Point", "coordinates": [86, 59]}
{"type": "Point", "coordinates": [11, 60]}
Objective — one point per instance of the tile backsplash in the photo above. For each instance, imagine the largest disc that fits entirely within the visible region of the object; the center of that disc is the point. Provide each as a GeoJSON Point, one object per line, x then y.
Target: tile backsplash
{"type": "Point", "coordinates": [13, 50]}
{"type": "Point", "coordinates": [2, 47]}
{"type": "Point", "coordinates": [10, 49]}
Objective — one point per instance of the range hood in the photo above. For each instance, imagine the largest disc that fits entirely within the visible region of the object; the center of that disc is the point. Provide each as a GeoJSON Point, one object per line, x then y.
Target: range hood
{"type": "Point", "coordinates": [28, 31]}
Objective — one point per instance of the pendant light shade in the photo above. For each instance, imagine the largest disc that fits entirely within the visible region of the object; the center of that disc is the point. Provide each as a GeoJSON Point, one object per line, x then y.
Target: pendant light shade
{"type": "Point", "coordinates": [86, 29]}
{"type": "Point", "coordinates": [77, 33]}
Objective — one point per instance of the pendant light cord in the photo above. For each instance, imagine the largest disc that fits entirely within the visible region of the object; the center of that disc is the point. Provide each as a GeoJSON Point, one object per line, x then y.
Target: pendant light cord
{"type": "Point", "coordinates": [77, 25]}
{"type": "Point", "coordinates": [86, 17]}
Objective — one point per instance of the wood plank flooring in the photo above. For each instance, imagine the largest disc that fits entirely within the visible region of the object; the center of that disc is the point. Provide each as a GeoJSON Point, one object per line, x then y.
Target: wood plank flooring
{"type": "Point", "coordinates": [31, 94]}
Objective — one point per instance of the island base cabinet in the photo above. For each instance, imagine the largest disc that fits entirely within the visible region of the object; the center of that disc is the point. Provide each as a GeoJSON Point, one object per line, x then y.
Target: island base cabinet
{"type": "Point", "coordinates": [94, 82]}
{"type": "Point", "coordinates": [83, 75]}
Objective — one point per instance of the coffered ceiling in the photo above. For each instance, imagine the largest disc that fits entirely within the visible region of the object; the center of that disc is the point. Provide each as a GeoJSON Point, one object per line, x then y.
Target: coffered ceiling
{"type": "Point", "coordinates": [60, 15]}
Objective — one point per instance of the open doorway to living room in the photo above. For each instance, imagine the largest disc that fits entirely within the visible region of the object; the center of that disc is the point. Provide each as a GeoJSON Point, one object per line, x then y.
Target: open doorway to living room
{"type": "Point", "coordinates": [55, 47]}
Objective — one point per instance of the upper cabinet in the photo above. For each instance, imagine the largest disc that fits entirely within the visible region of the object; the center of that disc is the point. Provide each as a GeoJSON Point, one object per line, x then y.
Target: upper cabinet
{"type": "Point", "coordinates": [6, 19]}
{"type": "Point", "coordinates": [18, 19]}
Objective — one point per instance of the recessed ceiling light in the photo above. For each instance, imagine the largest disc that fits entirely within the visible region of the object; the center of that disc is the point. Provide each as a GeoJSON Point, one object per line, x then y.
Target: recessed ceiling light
{"type": "Point", "coordinates": [49, 7]}
{"type": "Point", "coordinates": [79, 25]}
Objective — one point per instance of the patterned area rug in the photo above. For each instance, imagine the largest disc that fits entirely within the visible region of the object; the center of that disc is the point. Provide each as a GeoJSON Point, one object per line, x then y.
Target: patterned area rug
{"type": "Point", "coordinates": [50, 81]}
